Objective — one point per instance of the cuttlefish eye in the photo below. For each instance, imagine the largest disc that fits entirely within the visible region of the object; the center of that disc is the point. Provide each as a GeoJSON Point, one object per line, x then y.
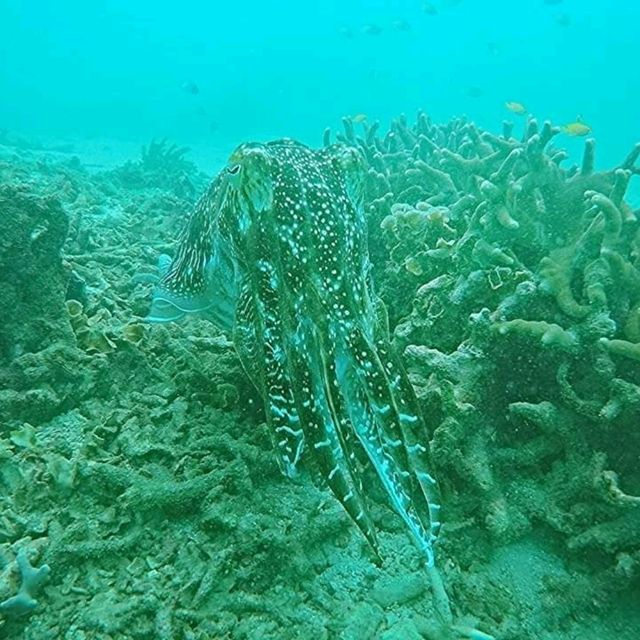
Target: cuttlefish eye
{"type": "Point", "coordinates": [234, 169]}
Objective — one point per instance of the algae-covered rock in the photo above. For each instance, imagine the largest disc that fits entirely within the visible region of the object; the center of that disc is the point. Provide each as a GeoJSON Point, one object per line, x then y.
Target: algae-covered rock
{"type": "Point", "coordinates": [33, 279]}
{"type": "Point", "coordinates": [363, 621]}
{"type": "Point", "coordinates": [398, 590]}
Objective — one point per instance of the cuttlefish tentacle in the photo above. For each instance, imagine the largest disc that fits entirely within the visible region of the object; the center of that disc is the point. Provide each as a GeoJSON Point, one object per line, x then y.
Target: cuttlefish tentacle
{"type": "Point", "coordinates": [412, 429]}
{"type": "Point", "coordinates": [263, 362]}
{"type": "Point", "coordinates": [321, 407]}
{"type": "Point", "coordinates": [295, 362]}
{"type": "Point", "coordinates": [376, 418]}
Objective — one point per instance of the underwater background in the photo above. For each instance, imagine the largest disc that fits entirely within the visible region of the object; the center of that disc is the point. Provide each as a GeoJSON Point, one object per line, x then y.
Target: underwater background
{"type": "Point", "coordinates": [116, 70]}
{"type": "Point", "coordinates": [140, 491]}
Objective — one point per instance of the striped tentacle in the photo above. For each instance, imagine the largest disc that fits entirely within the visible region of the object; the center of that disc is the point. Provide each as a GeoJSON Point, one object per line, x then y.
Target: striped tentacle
{"type": "Point", "coordinates": [414, 431]}
{"type": "Point", "coordinates": [319, 406]}
{"type": "Point", "coordinates": [263, 360]}
{"type": "Point", "coordinates": [378, 410]}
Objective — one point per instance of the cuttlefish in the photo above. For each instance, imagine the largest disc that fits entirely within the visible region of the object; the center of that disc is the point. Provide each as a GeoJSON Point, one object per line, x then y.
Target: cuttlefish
{"type": "Point", "coordinates": [276, 252]}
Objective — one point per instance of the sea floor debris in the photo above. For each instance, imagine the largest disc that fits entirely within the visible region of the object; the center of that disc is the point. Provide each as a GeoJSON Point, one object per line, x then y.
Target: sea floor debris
{"type": "Point", "coordinates": [31, 581]}
{"type": "Point", "coordinates": [143, 474]}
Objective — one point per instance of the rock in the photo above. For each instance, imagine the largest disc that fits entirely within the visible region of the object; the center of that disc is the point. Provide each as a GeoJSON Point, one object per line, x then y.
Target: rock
{"type": "Point", "coordinates": [398, 590]}
{"type": "Point", "coordinates": [33, 280]}
{"type": "Point", "coordinates": [363, 622]}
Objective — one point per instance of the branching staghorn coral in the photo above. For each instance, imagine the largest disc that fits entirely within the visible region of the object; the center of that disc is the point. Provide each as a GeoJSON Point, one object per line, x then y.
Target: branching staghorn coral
{"type": "Point", "coordinates": [163, 156]}
{"type": "Point", "coordinates": [162, 165]}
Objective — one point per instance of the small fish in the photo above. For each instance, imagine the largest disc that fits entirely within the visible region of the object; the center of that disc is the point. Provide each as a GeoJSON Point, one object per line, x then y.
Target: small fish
{"type": "Point", "coordinates": [361, 117]}
{"type": "Point", "coordinates": [429, 9]}
{"type": "Point", "coordinates": [563, 20]}
{"type": "Point", "coordinates": [577, 128]}
{"type": "Point", "coordinates": [475, 92]}
{"type": "Point", "coordinates": [191, 88]}
{"type": "Point", "coordinates": [401, 25]}
{"type": "Point", "coordinates": [372, 30]}
{"type": "Point", "coordinates": [516, 107]}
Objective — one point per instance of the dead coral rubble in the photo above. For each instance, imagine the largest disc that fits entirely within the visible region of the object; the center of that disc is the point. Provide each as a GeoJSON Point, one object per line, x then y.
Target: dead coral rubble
{"type": "Point", "coordinates": [126, 455]}
{"type": "Point", "coordinates": [31, 580]}
{"type": "Point", "coordinates": [133, 462]}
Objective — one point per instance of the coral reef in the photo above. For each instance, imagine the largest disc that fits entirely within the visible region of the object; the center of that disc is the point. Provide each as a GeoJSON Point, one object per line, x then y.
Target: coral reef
{"type": "Point", "coordinates": [134, 462]}
{"type": "Point", "coordinates": [163, 165]}
{"type": "Point", "coordinates": [520, 282]}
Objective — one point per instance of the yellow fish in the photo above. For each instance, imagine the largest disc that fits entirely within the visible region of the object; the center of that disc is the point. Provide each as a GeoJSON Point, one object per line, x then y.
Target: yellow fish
{"type": "Point", "coordinates": [361, 117]}
{"type": "Point", "coordinates": [516, 107]}
{"type": "Point", "coordinates": [577, 128]}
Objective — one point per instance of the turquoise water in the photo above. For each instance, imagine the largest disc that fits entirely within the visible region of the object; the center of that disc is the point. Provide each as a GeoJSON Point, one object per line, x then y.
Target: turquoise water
{"type": "Point", "coordinates": [268, 69]}
{"type": "Point", "coordinates": [255, 388]}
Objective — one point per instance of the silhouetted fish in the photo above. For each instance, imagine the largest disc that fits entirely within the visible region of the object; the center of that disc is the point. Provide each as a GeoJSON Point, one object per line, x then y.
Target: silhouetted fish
{"type": "Point", "coordinates": [474, 92]}
{"type": "Point", "coordinates": [429, 8]}
{"type": "Point", "coordinates": [372, 29]}
{"type": "Point", "coordinates": [191, 87]}
{"type": "Point", "coordinates": [401, 25]}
